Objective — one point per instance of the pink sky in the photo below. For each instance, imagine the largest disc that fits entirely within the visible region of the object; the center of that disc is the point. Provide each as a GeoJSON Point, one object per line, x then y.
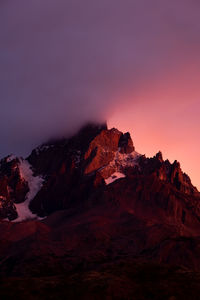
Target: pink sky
{"type": "Point", "coordinates": [172, 128]}
{"type": "Point", "coordinates": [164, 113]}
{"type": "Point", "coordinates": [133, 63]}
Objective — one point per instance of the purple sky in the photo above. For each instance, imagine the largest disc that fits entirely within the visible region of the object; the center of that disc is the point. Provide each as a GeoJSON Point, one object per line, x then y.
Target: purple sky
{"type": "Point", "coordinates": [134, 63]}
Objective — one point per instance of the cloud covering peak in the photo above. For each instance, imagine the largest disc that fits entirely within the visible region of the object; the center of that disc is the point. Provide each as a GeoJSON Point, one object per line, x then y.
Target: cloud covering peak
{"type": "Point", "coordinates": [63, 63]}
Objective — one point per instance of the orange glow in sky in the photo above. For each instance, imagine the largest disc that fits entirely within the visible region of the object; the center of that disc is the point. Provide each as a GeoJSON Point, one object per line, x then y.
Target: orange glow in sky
{"type": "Point", "coordinates": [170, 126]}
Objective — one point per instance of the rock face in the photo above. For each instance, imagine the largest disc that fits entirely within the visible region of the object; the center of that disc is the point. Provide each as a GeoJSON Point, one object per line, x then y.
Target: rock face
{"type": "Point", "coordinates": [77, 168]}
{"type": "Point", "coordinates": [102, 201]}
{"type": "Point", "coordinates": [13, 187]}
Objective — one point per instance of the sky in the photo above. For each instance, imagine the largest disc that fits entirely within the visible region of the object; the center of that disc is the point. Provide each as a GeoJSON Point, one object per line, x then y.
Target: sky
{"type": "Point", "coordinates": [134, 63]}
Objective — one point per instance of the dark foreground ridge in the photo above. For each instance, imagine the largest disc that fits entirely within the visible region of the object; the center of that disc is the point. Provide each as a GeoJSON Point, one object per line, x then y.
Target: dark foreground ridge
{"type": "Point", "coordinates": [90, 218]}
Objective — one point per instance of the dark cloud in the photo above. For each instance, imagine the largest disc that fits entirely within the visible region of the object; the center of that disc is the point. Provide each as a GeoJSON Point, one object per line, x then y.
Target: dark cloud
{"type": "Point", "coordinates": [63, 62]}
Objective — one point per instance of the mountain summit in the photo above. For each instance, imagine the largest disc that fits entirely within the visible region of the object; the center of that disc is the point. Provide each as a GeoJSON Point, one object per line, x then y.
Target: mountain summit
{"type": "Point", "coordinates": [91, 200]}
{"type": "Point", "coordinates": [67, 172]}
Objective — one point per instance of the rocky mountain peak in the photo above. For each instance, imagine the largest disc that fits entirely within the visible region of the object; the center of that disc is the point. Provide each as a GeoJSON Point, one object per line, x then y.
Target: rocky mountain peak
{"type": "Point", "coordinates": [159, 156]}
{"type": "Point", "coordinates": [61, 172]}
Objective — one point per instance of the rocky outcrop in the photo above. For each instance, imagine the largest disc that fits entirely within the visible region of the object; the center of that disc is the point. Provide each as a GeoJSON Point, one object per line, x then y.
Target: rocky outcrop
{"type": "Point", "coordinates": [101, 150]}
{"type": "Point", "coordinates": [171, 173]}
{"type": "Point", "coordinates": [12, 183]}
{"type": "Point", "coordinates": [7, 209]}
{"type": "Point", "coordinates": [126, 143]}
{"type": "Point", "coordinates": [13, 187]}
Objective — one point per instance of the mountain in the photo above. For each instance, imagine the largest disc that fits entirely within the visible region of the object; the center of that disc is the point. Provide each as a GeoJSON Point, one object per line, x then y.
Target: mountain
{"type": "Point", "coordinates": [88, 217]}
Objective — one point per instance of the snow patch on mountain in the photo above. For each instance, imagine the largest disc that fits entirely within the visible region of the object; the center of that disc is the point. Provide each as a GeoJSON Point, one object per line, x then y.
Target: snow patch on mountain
{"type": "Point", "coordinates": [114, 177]}
{"type": "Point", "coordinates": [35, 184]}
{"type": "Point", "coordinates": [122, 161]}
{"type": "Point", "coordinates": [119, 164]}
{"type": "Point", "coordinates": [126, 160]}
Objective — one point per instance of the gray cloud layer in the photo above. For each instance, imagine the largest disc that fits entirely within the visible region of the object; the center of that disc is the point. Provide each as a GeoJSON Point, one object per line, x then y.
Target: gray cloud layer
{"type": "Point", "coordinates": [63, 62]}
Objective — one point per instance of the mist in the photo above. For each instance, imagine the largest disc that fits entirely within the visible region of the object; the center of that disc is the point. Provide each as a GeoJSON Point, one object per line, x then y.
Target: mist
{"type": "Point", "coordinates": [64, 63]}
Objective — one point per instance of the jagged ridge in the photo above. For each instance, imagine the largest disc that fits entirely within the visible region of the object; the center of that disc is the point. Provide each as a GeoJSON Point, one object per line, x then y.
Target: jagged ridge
{"type": "Point", "coordinates": [74, 168]}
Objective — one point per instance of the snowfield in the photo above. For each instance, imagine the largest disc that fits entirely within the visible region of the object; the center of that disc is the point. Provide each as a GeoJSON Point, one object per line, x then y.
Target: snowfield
{"type": "Point", "coordinates": [114, 177]}
{"type": "Point", "coordinates": [120, 162]}
{"type": "Point", "coordinates": [35, 183]}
